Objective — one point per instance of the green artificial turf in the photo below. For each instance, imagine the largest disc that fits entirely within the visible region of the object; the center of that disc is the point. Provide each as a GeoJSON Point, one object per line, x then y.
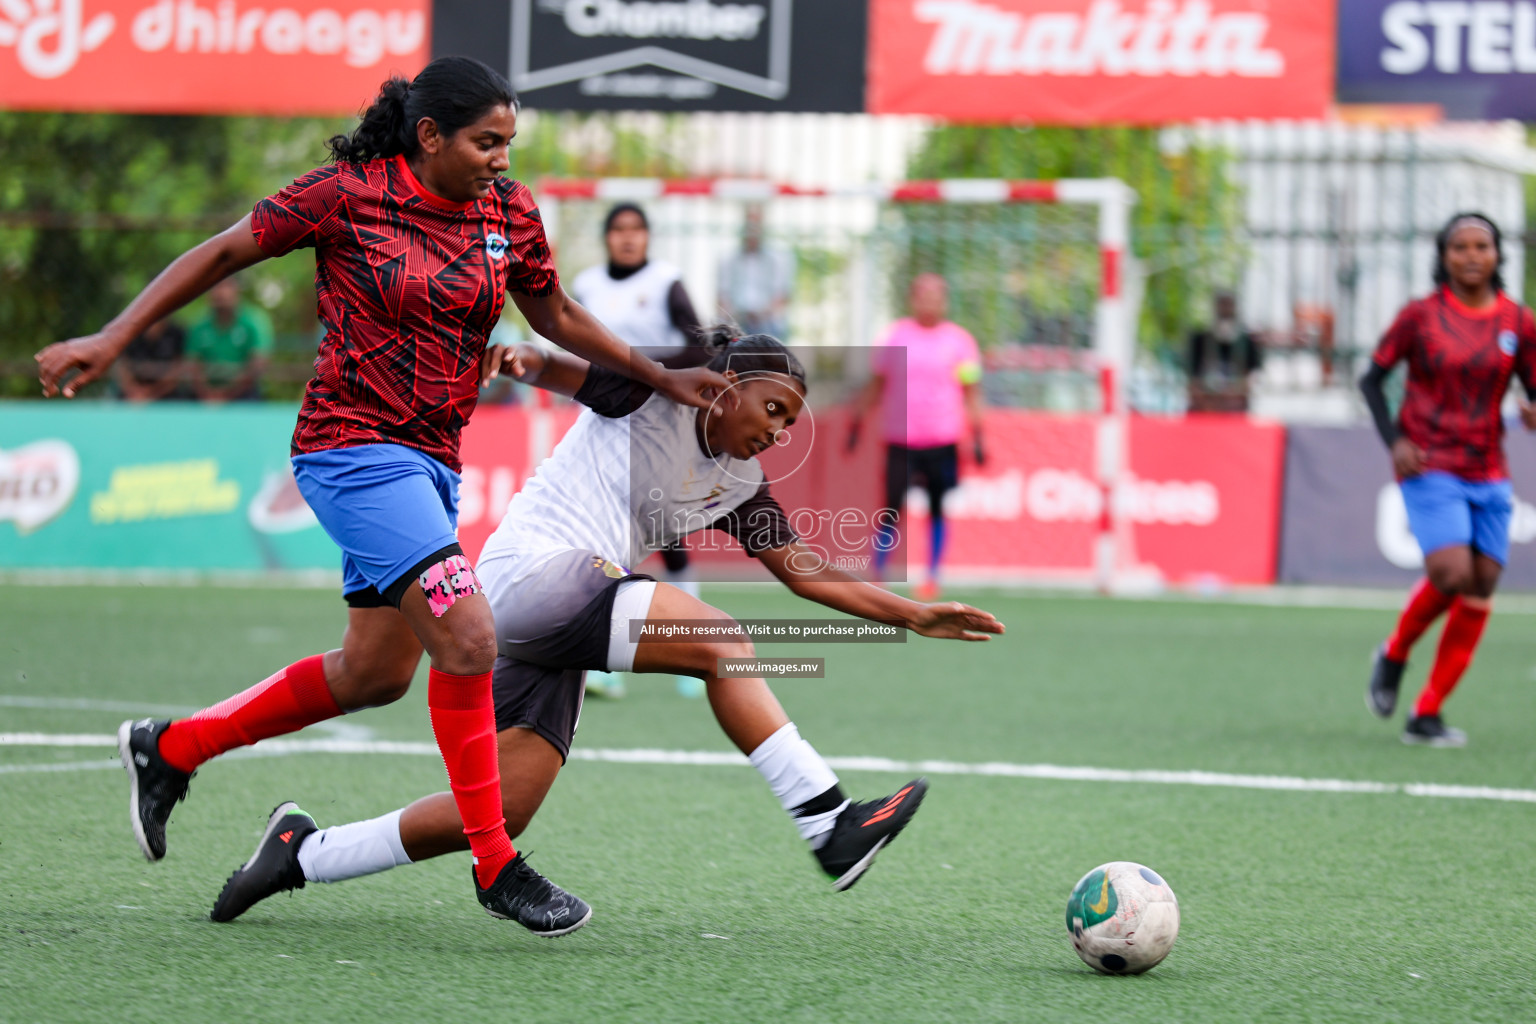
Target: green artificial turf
{"type": "Point", "coordinates": [1307, 906]}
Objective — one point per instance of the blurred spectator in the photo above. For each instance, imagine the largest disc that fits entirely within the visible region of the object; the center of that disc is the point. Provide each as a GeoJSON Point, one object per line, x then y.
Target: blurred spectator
{"type": "Point", "coordinates": [927, 380]}
{"type": "Point", "coordinates": [755, 283]}
{"type": "Point", "coordinates": [1221, 358]}
{"type": "Point", "coordinates": [150, 368]}
{"type": "Point", "coordinates": [228, 349]}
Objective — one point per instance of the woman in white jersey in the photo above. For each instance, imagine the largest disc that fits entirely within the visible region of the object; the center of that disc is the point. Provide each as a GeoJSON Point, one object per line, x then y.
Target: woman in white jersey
{"type": "Point", "coordinates": [646, 471]}
{"type": "Point", "coordinates": [644, 302]}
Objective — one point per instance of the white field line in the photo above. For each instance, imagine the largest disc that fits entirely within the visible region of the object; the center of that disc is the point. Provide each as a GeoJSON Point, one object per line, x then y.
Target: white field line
{"type": "Point", "coordinates": [10, 700]}
{"type": "Point", "coordinates": [1041, 585]}
{"type": "Point", "coordinates": [338, 728]}
{"type": "Point", "coordinates": [61, 766]}
{"type": "Point", "coordinates": [711, 759]}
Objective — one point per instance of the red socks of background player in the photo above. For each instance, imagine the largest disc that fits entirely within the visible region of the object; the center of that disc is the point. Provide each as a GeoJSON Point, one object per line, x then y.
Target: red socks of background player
{"type": "Point", "coordinates": [286, 702]}
{"type": "Point", "coordinates": [1463, 629]}
{"type": "Point", "coordinates": [1425, 603]}
{"type": "Point", "coordinates": [464, 722]}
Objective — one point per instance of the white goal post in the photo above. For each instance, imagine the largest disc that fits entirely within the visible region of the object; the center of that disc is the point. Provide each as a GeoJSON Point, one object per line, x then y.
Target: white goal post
{"type": "Point", "coordinates": [1113, 331]}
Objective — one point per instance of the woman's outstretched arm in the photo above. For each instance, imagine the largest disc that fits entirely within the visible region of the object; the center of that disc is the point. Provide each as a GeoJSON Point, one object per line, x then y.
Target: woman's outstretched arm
{"type": "Point", "coordinates": [190, 275]}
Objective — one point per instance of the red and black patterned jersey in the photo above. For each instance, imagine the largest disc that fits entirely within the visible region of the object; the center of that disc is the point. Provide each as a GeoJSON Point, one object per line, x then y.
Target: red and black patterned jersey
{"type": "Point", "coordinates": [1460, 361]}
{"type": "Point", "coordinates": [409, 286]}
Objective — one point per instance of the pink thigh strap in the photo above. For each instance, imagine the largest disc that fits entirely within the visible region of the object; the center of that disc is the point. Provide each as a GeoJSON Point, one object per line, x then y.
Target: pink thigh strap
{"type": "Point", "coordinates": [447, 581]}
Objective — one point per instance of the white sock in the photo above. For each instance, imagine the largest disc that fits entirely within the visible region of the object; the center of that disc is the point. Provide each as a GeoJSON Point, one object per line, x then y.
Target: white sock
{"type": "Point", "coordinates": [804, 783]}
{"type": "Point", "coordinates": [341, 852]}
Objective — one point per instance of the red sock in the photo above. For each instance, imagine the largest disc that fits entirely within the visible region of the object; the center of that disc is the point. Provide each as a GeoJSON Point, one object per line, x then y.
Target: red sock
{"type": "Point", "coordinates": [286, 702]}
{"type": "Point", "coordinates": [1425, 604]}
{"type": "Point", "coordinates": [464, 722]}
{"type": "Point", "coordinates": [1463, 629]}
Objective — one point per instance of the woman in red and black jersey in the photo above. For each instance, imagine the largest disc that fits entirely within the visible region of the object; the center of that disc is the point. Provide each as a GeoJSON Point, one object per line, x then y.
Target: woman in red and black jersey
{"type": "Point", "coordinates": [418, 240]}
{"type": "Point", "coordinates": [1462, 345]}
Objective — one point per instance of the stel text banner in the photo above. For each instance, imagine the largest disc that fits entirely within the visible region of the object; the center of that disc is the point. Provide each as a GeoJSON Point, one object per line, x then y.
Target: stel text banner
{"type": "Point", "coordinates": [1477, 60]}
{"type": "Point", "coordinates": [755, 55]}
{"type": "Point", "coordinates": [206, 56]}
{"type": "Point", "coordinates": [1083, 62]}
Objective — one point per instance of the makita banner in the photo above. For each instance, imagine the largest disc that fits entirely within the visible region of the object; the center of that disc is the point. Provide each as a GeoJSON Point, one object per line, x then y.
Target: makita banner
{"type": "Point", "coordinates": [206, 56]}
{"type": "Point", "coordinates": [1345, 522]}
{"type": "Point", "coordinates": [1082, 62]}
{"type": "Point", "coordinates": [805, 55]}
{"type": "Point", "coordinates": [1475, 59]}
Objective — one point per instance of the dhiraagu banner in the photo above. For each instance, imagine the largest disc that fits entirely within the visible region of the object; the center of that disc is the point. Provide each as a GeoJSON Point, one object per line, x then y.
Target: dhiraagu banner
{"type": "Point", "coordinates": [153, 487]}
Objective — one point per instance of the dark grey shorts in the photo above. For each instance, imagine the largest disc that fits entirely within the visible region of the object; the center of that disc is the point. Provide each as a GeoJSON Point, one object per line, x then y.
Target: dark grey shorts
{"type": "Point", "coordinates": [562, 620]}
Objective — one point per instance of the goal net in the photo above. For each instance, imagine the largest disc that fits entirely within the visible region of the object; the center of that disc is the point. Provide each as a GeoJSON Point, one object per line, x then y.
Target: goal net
{"type": "Point", "coordinates": [1034, 271]}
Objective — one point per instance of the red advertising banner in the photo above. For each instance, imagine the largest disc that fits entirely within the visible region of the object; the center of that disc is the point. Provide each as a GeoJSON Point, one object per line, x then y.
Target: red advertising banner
{"type": "Point", "coordinates": [1205, 497]}
{"type": "Point", "coordinates": [500, 449]}
{"type": "Point", "coordinates": [1202, 496]}
{"type": "Point", "coordinates": [206, 56]}
{"type": "Point", "coordinates": [1083, 62]}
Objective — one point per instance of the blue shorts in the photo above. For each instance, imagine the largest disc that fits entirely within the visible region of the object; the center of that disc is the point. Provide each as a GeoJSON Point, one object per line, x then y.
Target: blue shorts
{"type": "Point", "coordinates": [389, 508]}
{"type": "Point", "coordinates": [1447, 511]}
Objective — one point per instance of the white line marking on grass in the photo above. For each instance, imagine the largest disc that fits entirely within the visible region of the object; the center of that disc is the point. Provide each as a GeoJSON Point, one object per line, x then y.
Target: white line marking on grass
{"type": "Point", "coordinates": [1468, 792]}
{"type": "Point", "coordinates": [48, 739]}
{"type": "Point", "coordinates": [730, 759]}
{"type": "Point", "coordinates": [269, 579]}
{"type": "Point", "coordinates": [337, 728]}
{"type": "Point", "coordinates": [10, 700]}
{"type": "Point", "coordinates": [61, 766]}
{"type": "Point", "coordinates": [1043, 587]}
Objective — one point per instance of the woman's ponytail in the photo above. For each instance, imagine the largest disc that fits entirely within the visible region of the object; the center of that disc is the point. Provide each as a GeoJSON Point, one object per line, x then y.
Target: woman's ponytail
{"type": "Point", "coordinates": [453, 91]}
{"type": "Point", "coordinates": [382, 131]}
{"type": "Point", "coordinates": [751, 354]}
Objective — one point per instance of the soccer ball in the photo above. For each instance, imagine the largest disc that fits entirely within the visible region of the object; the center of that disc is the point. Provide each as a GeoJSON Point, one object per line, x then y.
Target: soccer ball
{"type": "Point", "coordinates": [1122, 918]}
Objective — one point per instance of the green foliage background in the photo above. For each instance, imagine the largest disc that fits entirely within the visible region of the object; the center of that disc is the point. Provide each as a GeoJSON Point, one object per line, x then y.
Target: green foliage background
{"type": "Point", "coordinates": [92, 206]}
{"type": "Point", "coordinates": [1184, 227]}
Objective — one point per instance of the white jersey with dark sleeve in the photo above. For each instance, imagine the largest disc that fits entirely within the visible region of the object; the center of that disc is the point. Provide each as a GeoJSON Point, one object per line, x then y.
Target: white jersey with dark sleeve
{"type": "Point", "coordinates": [648, 308]}
{"type": "Point", "coordinates": [631, 477]}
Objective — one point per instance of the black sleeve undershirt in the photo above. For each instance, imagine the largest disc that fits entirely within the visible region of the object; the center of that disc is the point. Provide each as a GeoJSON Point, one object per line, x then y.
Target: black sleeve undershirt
{"type": "Point", "coordinates": [1376, 401]}
{"type": "Point", "coordinates": [680, 310]}
{"type": "Point", "coordinates": [759, 523]}
{"type": "Point", "coordinates": [611, 394]}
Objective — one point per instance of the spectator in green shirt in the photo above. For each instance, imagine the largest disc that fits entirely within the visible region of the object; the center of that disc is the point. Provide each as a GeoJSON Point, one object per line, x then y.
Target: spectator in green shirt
{"type": "Point", "coordinates": [228, 349]}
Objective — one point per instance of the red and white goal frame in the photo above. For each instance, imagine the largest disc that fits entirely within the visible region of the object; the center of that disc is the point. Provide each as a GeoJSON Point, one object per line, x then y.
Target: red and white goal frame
{"type": "Point", "coordinates": [1116, 565]}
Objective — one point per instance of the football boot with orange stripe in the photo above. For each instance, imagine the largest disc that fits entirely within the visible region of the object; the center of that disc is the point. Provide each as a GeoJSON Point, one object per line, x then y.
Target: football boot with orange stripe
{"type": "Point", "coordinates": [864, 829]}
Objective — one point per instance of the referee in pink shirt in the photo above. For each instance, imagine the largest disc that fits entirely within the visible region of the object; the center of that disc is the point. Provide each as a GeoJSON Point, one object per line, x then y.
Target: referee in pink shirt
{"type": "Point", "coordinates": [935, 365]}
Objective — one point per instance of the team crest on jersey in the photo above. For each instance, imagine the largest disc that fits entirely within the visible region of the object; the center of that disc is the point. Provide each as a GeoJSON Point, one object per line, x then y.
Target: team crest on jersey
{"type": "Point", "coordinates": [612, 570]}
{"type": "Point", "coordinates": [1508, 342]}
{"type": "Point", "coordinates": [495, 246]}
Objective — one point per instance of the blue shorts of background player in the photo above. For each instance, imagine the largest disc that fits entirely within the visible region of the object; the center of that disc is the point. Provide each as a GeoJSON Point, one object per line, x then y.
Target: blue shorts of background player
{"type": "Point", "coordinates": [392, 510]}
{"type": "Point", "coordinates": [1446, 511]}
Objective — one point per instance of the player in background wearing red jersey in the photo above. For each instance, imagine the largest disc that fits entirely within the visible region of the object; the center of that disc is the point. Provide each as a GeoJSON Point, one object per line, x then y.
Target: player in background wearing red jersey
{"type": "Point", "coordinates": [418, 239]}
{"type": "Point", "coordinates": [1462, 345]}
